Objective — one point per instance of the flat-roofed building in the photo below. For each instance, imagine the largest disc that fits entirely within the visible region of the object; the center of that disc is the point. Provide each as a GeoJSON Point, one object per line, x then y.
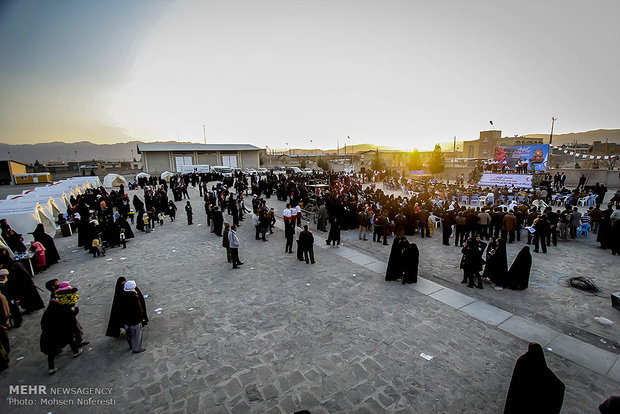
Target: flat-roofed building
{"type": "Point", "coordinates": [9, 169]}
{"type": "Point", "coordinates": [160, 157]}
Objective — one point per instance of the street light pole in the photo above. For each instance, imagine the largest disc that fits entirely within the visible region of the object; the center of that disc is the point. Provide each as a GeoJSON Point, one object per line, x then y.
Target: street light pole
{"type": "Point", "coordinates": [551, 136]}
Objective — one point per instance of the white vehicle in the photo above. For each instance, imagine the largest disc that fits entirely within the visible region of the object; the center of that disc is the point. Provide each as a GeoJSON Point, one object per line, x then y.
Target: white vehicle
{"type": "Point", "coordinates": [199, 168]}
{"type": "Point", "coordinates": [307, 171]}
{"type": "Point", "coordinates": [225, 171]}
{"type": "Point", "coordinates": [262, 170]}
{"type": "Point", "coordinates": [293, 170]}
{"type": "Point", "coordinates": [251, 171]}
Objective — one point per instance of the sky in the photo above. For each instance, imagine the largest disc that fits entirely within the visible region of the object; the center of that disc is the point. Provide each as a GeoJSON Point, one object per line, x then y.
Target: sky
{"type": "Point", "coordinates": [305, 74]}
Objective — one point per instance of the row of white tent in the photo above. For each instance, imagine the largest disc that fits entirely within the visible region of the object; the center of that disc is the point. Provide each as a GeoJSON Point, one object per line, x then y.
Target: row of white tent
{"type": "Point", "coordinates": [115, 180]}
{"type": "Point", "coordinates": [43, 204]}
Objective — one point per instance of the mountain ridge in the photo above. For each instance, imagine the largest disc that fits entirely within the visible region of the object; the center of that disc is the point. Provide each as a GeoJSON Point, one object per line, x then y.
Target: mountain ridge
{"type": "Point", "coordinates": [85, 150]}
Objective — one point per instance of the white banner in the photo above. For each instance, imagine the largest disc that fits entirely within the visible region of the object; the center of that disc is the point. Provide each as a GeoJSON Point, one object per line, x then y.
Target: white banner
{"type": "Point", "coordinates": [506, 180]}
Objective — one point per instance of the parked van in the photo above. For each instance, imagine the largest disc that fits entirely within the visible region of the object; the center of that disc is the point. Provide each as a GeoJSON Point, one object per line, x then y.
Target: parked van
{"type": "Point", "coordinates": [225, 171]}
{"type": "Point", "coordinates": [199, 168]}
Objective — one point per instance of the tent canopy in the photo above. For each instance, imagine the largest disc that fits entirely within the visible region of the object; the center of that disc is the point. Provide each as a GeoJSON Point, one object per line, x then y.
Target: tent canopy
{"type": "Point", "coordinates": [114, 180]}
{"type": "Point", "coordinates": [23, 218]}
{"type": "Point", "coordinates": [143, 175]}
{"type": "Point", "coordinates": [166, 175]}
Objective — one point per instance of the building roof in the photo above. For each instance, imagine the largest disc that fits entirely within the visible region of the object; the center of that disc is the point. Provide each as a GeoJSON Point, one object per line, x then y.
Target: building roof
{"type": "Point", "coordinates": [195, 147]}
{"type": "Point", "coordinates": [17, 162]}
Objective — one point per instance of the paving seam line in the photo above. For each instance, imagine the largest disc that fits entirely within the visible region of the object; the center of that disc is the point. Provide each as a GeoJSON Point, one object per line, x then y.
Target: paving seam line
{"type": "Point", "coordinates": [280, 225]}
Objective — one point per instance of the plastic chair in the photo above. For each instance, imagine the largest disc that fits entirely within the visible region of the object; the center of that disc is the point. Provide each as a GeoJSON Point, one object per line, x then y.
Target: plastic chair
{"type": "Point", "coordinates": [583, 229]}
{"type": "Point", "coordinates": [582, 201]}
{"type": "Point", "coordinates": [539, 203]}
{"type": "Point", "coordinates": [465, 200]}
{"type": "Point", "coordinates": [592, 199]}
{"type": "Point", "coordinates": [473, 200]}
{"type": "Point", "coordinates": [482, 200]}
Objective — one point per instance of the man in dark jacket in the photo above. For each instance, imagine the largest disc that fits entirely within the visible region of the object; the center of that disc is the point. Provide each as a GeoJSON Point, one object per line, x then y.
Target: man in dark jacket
{"type": "Point", "coordinates": [306, 241]}
{"type": "Point", "coordinates": [541, 231]}
{"type": "Point", "coordinates": [134, 316]}
{"type": "Point", "coordinates": [423, 216]}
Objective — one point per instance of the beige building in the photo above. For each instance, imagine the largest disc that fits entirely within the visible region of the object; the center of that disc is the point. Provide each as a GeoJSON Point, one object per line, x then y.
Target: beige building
{"type": "Point", "coordinates": [394, 160]}
{"type": "Point", "coordinates": [157, 158]}
{"type": "Point", "coordinates": [484, 147]}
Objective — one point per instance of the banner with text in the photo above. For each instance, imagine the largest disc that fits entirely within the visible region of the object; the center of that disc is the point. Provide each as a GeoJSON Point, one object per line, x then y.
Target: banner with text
{"type": "Point", "coordinates": [506, 180]}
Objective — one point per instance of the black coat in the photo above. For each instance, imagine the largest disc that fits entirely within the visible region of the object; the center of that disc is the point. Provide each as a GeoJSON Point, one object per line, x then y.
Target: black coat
{"type": "Point", "coordinates": [133, 309]}
{"type": "Point", "coordinates": [306, 239]}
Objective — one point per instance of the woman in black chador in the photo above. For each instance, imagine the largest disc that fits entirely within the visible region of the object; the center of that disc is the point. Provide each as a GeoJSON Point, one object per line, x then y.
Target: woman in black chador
{"type": "Point", "coordinates": [122, 223]}
{"type": "Point", "coordinates": [396, 262]}
{"type": "Point", "coordinates": [411, 260]}
{"type": "Point", "coordinates": [534, 388]}
{"type": "Point", "coordinates": [334, 233]}
{"type": "Point", "coordinates": [51, 254]}
{"type": "Point", "coordinates": [116, 315]}
{"type": "Point", "coordinates": [497, 262]}
{"type": "Point", "coordinates": [471, 263]}
{"type": "Point", "coordinates": [519, 274]}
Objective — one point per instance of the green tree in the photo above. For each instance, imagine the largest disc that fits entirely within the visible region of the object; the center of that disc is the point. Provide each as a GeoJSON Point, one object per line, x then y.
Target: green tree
{"type": "Point", "coordinates": [323, 164]}
{"type": "Point", "coordinates": [437, 162]}
{"type": "Point", "coordinates": [303, 163]}
{"type": "Point", "coordinates": [414, 162]}
{"type": "Point", "coordinates": [377, 163]}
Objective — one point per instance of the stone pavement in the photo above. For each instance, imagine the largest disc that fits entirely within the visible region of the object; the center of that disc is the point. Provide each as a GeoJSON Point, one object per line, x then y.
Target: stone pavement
{"type": "Point", "coordinates": [279, 335]}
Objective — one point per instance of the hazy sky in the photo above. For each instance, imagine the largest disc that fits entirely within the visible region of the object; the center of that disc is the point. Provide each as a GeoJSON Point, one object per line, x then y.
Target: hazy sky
{"type": "Point", "coordinates": [399, 73]}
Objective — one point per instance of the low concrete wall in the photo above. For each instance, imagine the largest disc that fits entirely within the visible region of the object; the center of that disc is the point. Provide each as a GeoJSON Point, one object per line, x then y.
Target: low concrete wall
{"type": "Point", "coordinates": [609, 178]}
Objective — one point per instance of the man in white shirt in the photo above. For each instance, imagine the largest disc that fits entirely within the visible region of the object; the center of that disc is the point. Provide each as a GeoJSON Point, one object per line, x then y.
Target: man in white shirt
{"type": "Point", "coordinates": [286, 214]}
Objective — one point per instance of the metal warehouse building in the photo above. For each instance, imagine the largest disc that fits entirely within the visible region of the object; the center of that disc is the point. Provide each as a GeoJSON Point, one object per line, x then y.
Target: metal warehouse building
{"type": "Point", "coordinates": [158, 158]}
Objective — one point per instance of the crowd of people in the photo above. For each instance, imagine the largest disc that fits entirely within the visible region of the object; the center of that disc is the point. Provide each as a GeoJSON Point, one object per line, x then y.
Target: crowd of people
{"type": "Point", "coordinates": [343, 201]}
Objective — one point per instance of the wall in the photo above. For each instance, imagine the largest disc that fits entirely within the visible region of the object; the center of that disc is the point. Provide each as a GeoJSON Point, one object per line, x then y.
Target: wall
{"type": "Point", "coordinates": [156, 162]}
{"type": "Point", "coordinates": [609, 178]}
{"type": "Point", "coordinates": [249, 159]}
{"type": "Point", "coordinates": [17, 168]}
{"type": "Point", "coordinates": [593, 176]}
{"type": "Point", "coordinates": [208, 158]}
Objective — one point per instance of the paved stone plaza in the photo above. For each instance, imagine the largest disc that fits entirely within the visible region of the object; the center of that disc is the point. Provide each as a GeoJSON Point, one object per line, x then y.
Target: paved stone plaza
{"type": "Point", "coordinates": [279, 335]}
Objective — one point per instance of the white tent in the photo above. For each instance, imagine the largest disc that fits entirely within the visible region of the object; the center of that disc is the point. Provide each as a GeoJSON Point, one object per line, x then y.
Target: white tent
{"type": "Point", "coordinates": [51, 208]}
{"type": "Point", "coordinates": [92, 181]}
{"type": "Point", "coordinates": [142, 175]}
{"type": "Point", "coordinates": [114, 180]}
{"type": "Point", "coordinates": [23, 218]}
{"type": "Point", "coordinates": [166, 175]}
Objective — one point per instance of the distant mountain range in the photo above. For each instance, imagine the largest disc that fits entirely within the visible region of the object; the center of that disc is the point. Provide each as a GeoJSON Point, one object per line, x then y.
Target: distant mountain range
{"type": "Point", "coordinates": [588, 137]}
{"type": "Point", "coordinates": [84, 151]}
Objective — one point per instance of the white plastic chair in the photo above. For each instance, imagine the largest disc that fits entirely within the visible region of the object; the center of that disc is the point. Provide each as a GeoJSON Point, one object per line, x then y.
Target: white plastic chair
{"type": "Point", "coordinates": [583, 201]}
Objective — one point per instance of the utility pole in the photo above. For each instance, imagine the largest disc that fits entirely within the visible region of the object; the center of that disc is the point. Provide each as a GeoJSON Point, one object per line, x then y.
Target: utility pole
{"type": "Point", "coordinates": [455, 146]}
{"type": "Point", "coordinates": [204, 132]}
{"type": "Point", "coordinates": [551, 136]}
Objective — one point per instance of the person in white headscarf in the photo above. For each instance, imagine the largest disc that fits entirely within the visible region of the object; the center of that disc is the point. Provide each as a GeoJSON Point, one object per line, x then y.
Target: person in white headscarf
{"type": "Point", "coordinates": [134, 316]}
